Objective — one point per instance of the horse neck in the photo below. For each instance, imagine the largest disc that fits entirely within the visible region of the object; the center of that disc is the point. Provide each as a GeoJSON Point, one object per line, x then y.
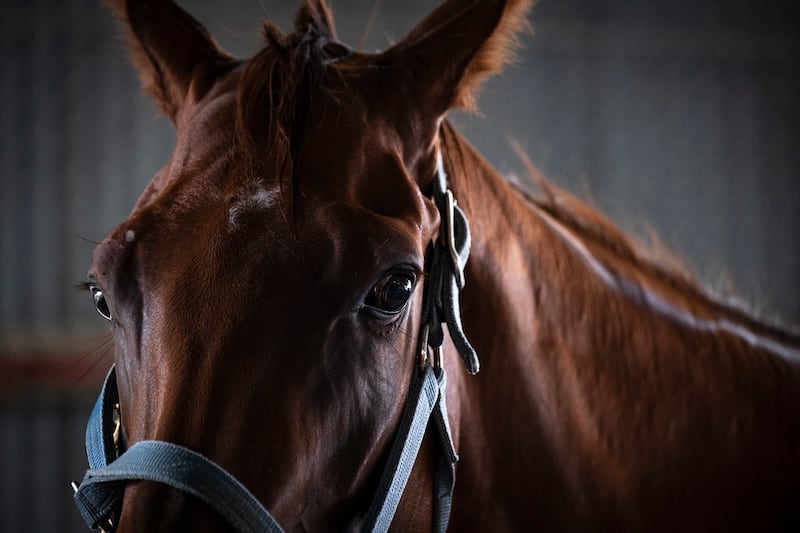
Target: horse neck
{"type": "Point", "coordinates": [598, 369]}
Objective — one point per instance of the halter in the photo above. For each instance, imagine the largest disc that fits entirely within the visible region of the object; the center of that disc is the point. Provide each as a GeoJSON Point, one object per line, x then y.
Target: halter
{"type": "Point", "coordinates": [99, 496]}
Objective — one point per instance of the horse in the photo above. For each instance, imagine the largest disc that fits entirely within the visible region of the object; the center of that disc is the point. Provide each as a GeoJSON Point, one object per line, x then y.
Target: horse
{"type": "Point", "coordinates": [277, 292]}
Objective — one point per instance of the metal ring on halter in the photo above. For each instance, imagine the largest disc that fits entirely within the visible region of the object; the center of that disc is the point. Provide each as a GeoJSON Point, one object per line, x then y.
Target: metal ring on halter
{"type": "Point", "coordinates": [423, 347]}
{"type": "Point", "coordinates": [117, 417]}
{"type": "Point", "coordinates": [437, 357]}
{"type": "Point", "coordinates": [425, 358]}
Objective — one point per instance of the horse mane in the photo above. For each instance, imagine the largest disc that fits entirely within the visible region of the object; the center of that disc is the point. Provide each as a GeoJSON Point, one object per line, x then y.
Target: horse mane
{"type": "Point", "coordinates": [274, 92]}
{"type": "Point", "coordinates": [592, 227]}
{"type": "Point", "coordinates": [654, 260]}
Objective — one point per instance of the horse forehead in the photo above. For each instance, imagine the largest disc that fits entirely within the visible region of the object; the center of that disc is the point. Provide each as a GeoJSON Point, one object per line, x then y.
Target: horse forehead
{"type": "Point", "coordinates": [359, 157]}
{"type": "Point", "coordinates": [356, 164]}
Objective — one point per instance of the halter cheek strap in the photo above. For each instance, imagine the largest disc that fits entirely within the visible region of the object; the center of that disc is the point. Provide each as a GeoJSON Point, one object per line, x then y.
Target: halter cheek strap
{"type": "Point", "coordinates": [446, 275]}
{"type": "Point", "coordinates": [99, 496]}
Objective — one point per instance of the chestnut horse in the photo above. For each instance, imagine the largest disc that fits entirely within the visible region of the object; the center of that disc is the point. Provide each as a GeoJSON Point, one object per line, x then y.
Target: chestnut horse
{"type": "Point", "coordinates": [266, 297]}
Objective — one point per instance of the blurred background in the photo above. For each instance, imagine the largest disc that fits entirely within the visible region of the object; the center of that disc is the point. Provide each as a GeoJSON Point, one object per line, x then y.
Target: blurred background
{"type": "Point", "coordinates": [673, 116]}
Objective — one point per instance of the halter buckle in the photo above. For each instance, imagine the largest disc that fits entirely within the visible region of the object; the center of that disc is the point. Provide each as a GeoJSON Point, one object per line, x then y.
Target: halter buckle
{"type": "Point", "coordinates": [449, 216]}
{"type": "Point", "coordinates": [437, 358]}
{"type": "Point", "coordinates": [425, 348]}
{"type": "Point", "coordinates": [117, 427]}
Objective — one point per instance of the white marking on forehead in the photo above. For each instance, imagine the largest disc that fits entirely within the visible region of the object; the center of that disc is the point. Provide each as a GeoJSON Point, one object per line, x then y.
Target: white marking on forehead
{"type": "Point", "coordinates": [658, 303]}
{"type": "Point", "coordinates": [130, 236]}
{"type": "Point", "coordinates": [249, 198]}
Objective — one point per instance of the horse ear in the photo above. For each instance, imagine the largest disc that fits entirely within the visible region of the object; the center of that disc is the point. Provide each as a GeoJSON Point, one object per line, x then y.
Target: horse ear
{"type": "Point", "coordinates": [459, 45]}
{"type": "Point", "coordinates": [317, 15]}
{"type": "Point", "coordinates": [173, 52]}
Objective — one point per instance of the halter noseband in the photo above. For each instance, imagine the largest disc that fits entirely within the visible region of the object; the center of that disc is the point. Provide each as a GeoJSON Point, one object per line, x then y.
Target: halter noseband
{"type": "Point", "coordinates": [99, 496]}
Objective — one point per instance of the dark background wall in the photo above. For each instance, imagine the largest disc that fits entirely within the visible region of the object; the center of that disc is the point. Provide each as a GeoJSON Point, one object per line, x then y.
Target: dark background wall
{"type": "Point", "coordinates": [676, 115]}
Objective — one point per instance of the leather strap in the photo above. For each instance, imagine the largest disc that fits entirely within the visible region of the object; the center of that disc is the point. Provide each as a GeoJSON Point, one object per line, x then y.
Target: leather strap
{"type": "Point", "coordinates": [426, 398]}
{"type": "Point", "coordinates": [100, 448]}
{"type": "Point", "coordinates": [102, 488]}
{"type": "Point", "coordinates": [449, 258]}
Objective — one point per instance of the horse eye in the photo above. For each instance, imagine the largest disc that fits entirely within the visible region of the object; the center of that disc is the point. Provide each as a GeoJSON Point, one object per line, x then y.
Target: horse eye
{"type": "Point", "coordinates": [391, 293]}
{"type": "Point", "coordinates": [100, 303]}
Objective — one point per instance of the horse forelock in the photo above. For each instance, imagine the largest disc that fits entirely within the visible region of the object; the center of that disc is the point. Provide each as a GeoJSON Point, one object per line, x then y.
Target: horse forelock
{"type": "Point", "coordinates": [274, 93]}
{"type": "Point", "coordinates": [277, 84]}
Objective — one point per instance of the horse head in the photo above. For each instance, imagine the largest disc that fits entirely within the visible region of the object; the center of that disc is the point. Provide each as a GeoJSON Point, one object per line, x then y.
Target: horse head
{"type": "Point", "coordinates": [265, 292]}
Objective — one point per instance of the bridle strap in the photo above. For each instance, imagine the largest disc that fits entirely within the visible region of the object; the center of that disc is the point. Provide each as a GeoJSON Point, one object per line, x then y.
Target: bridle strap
{"type": "Point", "coordinates": [100, 446]}
{"type": "Point", "coordinates": [101, 450]}
{"type": "Point", "coordinates": [426, 401]}
{"type": "Point", "coordinates": [100, 493]}
{"type": "Point", "coordinates": [448, 259]}
{"type": "Point", "coordinates": [180, 468]}
{"type": "Point", "coordinates": [103, 485]}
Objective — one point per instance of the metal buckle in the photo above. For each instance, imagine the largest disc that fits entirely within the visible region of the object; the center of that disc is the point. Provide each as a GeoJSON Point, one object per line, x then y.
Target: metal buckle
{"type": "Point", "coordinates": [449, 215]}
{"type": "Point", "coordinates": [117, 427]}
{"type": "Point", "coordinates": [424, 351]}
{"type": "Point", "coordinates": [423, 347]}
{"type": "Point", "coordinates": [437, 358]}
{"type": "Point", "coordinates": [107, 527]}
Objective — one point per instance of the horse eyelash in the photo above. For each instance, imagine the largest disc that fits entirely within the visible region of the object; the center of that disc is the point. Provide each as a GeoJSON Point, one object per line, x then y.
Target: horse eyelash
{"type": "Point", "coordinates": [83, 286]}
